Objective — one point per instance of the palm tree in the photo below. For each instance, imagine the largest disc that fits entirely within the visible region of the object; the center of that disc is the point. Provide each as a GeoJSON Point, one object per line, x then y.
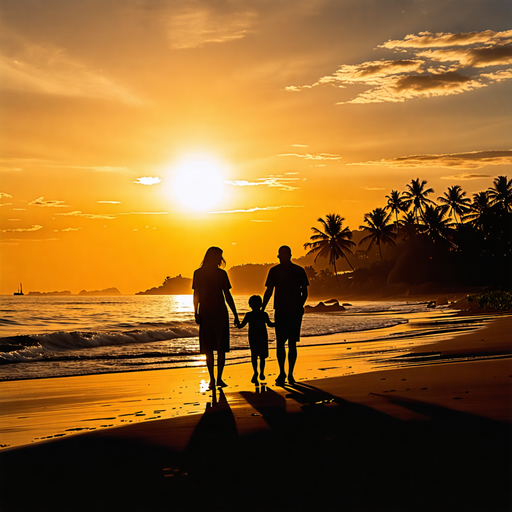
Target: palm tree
{"type": "Point", "coordinates": [456, 201]}
{"type": "Point", "coordinates": [436, 225]}
{"type": "Point", "coordinates": [409, 225]}
{"type": "Point", "coordinates": [501, 193]}
{"type": "Point", "coordinates": [333, 242]}
{"type": "Point", "coordinates": [480, 209]}
{"type": "Point", "coordinates": [416, 196]}
{"type": "Point", "coordinates": [311, 272]}
{"type": "Point", "coordinates": [381, 231]}
{"type": "Point", "coordinates": [395, 205]}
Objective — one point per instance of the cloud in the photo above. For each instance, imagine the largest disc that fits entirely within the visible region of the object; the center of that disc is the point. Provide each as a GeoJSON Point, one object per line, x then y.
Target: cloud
{"type": "Point", "coordinates": [371, 72]}
{"type": "Point", "coordinates": [466, 176]}
{"type": "Point", "coordinates": [277, 182]}
{"type": "Point", "coordinates": [299, 145]}
{"type": "Point", "coordinates": [87, 215]}
{"type": "Point", "coordinates": [258, 209]}
{"type": "Point", "coordinates": [472, 160]}
{"type": "Point", "coordinates": [95, 168]}
{"type": "Point", "coordinates": [14, 164]}
{"type": "Point", "coordinates": [428, 39]}
{"type": "Point", "coordinates": [258, 220]}
{"type": "Point", "coordinates": [147, 180]}
{"type": "Point", "coordinates": [474, 57]}
{"type": "Point", "coordinates": [3, 194]}
{"type": "Point", "coordinates": [13, 220]}
{"type": "Point", "coordinates": [71, 229]}
{"type": "Point", "coordinates": [403, 88]}
{"type": "Point", "coordinates": [499, 76]}
{"type": "Point", "coordinates": [149, 213]}
{"type": "Point", "coordinates": [192, 23]}
{"type": "Point", "coordinates": [33, 228]}
{"type": "Point", "coordinates": [29, 240]}
{"type": "Point", "coordinates": [51, 203]}
{"type": "Point", "coordinates": [317, 156]}
{"type": "Point", "coordinates": [47, 69]}
{"type": "Point", "coordinates": [370, 189]}
{"type": "Point", "coordinates": [109, 202]}
{"type": "Point", "coordinates": [441, 64]}
{"type": "Point", "coordinates": [53, 165]}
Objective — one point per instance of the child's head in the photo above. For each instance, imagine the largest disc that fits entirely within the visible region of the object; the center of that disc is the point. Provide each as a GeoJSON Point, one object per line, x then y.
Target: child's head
{"type": "Point", "coordinates": [255, 302]}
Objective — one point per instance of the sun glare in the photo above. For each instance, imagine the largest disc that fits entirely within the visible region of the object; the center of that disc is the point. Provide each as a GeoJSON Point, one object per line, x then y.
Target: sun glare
{"type": "Point", "coordinates": [199, 185]}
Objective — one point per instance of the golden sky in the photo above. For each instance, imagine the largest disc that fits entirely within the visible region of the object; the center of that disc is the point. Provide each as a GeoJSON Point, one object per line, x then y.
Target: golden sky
{"type": "Point", "coordinates": [282, 110]}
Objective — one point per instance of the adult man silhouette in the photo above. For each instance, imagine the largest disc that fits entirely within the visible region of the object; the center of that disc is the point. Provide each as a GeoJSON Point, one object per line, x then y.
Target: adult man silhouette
{"type": "Point", "coordinates": [290, 283]}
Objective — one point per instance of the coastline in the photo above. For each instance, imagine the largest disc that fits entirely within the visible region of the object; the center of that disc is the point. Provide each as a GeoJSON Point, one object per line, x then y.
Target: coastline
{"type": "Point", "coordinates": [43, 409]}
{"type": "Point", "coordinates": [421, 434]}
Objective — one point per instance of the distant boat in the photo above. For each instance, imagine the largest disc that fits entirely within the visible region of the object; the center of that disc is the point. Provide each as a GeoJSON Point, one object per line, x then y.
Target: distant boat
{"type": "Point", "coordinates": [20, 290]}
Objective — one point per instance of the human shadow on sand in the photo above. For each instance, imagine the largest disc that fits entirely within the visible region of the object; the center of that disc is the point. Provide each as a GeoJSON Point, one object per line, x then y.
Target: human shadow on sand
{"type": "Point", "coordinates": [214, 436]}
{"type": "Point", "coordinates": [330, 455]}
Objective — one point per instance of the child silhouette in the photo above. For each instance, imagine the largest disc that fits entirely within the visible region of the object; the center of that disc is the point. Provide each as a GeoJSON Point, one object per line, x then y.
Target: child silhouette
{"type": "Point", "coordinates": [258, 337]}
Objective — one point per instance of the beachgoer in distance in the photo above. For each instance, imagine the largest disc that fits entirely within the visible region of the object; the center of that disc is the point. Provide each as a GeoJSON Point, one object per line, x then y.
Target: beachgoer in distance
{"type": "Point", "coordinates": [211, 292]}
{"type": "Point", "coordinates": [258, 336]}
{"type": "Point", "coordinates": [291, 292]}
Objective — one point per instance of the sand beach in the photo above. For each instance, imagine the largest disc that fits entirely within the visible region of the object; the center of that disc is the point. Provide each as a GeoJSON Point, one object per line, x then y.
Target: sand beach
{"type": "Point", "coordinates": [427, 429]}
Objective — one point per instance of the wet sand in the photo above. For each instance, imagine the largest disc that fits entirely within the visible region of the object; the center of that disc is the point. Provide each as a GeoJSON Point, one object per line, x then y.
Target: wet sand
{"type": "Point", "coordinates": [426, 429]}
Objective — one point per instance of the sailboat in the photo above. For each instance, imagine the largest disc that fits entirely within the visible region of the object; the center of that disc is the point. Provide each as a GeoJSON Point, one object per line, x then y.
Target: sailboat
{"type": "Point", "coordinates": [20, 290]}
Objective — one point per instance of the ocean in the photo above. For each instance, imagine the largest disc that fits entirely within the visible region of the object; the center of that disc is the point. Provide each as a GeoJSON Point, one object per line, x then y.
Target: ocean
{"type": "Point", "coordinates": [57, 336]}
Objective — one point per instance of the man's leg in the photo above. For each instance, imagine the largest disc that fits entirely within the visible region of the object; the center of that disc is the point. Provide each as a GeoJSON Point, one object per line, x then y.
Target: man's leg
{"type": "Point", "coordinates": [292, 357]}
{"type": "Point", "coordinates": [281, 359]}
{"type": "Point", "coordinates": [293, 339]}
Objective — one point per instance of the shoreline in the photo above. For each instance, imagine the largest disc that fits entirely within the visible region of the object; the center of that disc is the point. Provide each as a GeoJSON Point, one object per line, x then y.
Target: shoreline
{"type": "Point", "coordinates": [57, 407]}
{"type": "Point", "coordinates": [407, 323]}
{"type": "Point", "coordinates": [424, 437]}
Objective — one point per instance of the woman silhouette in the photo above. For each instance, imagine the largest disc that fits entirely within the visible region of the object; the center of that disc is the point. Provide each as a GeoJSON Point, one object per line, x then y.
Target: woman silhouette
{"type": "Point", "coordinates": [211, 292]}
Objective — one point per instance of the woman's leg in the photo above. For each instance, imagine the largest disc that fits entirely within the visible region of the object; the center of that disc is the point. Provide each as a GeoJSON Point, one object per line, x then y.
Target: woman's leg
{"type": "Point", "coordinates": [209, 365]}
{"type": "Point", "coordinates": [221, 360]}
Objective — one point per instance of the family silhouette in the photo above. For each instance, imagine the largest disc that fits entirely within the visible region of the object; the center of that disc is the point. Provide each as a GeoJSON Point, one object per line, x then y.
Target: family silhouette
{"type": "Point", "coordinates": [212, 294]}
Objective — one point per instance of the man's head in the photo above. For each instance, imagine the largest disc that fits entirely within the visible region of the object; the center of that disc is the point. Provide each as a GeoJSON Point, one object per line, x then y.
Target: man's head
{"type": "Point", "coordinates": [284, 254]}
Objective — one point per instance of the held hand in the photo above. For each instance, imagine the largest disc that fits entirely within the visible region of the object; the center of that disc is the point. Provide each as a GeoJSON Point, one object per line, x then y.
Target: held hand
{"type": "Point", "coordinates": [198, 318]}
{"type": "Point", "coordinates": [237, 322]}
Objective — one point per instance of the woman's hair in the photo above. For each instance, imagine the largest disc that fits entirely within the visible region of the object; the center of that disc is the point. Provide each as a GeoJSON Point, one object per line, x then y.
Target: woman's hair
{"type": "Point", "coordinates": [213, 258]}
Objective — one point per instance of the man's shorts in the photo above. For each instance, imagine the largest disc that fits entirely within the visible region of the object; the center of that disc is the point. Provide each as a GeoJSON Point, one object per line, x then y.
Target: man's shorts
{"type": "Point", "coordinates": [287, 326]}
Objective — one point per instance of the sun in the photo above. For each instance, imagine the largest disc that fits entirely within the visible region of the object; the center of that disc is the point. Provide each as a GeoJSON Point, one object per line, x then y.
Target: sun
{"type": "Point", "coordinates": [198, 185]}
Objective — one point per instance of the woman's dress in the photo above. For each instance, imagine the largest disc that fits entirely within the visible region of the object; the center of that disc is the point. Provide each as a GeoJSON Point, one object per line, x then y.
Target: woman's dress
{"type": "Point", "coordinates": [209, 285]}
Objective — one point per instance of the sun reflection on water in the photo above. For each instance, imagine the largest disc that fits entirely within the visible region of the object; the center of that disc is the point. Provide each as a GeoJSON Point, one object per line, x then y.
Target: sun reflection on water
{"type": "Point", "coordinates": [182, 303]}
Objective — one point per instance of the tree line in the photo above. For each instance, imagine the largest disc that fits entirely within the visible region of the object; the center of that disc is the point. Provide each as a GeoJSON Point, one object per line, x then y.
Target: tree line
{"type": "Point", "coordinates": [468, 240]}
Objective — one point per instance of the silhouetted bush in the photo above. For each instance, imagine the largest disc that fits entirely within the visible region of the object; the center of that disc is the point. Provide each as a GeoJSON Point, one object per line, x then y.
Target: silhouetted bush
{"type": "Point", "coordinates": [493, 300]}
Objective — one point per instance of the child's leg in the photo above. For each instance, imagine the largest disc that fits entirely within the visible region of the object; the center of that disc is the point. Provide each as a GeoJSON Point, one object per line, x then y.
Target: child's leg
{"type": "Point", "coordinates": [254, 361]}
{"type": "Point", "coordinates": [262, 368]}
